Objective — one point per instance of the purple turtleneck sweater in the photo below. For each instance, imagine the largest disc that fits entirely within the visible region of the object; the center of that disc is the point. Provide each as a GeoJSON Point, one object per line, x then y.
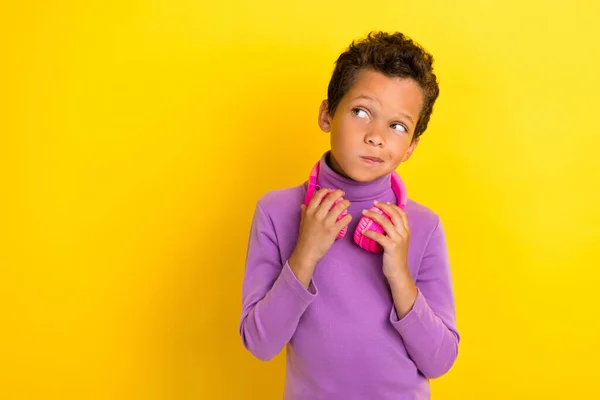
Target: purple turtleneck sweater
{"type": "Point", "coordinates": [342, 335]}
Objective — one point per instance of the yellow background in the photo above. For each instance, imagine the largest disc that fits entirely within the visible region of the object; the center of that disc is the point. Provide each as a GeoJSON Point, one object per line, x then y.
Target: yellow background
{"type": "Point", "coordinates": [136, 137]}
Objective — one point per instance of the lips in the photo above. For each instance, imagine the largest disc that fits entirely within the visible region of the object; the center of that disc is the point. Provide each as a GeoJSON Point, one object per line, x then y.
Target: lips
{"type": "Point", "coordinates": [372, 159]}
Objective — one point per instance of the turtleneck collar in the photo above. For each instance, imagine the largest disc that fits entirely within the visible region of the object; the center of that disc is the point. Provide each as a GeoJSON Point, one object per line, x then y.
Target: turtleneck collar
{"type": "Point", "coordinates": [354, 191]}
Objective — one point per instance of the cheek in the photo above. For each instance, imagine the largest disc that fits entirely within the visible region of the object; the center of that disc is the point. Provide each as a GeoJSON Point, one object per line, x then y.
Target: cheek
{"type": "Point", "coordinates": [353, 129]}
{"type": "Point", "coordinates": [345, 131]}
{"type": "Point", "coordinates": [400, 146]}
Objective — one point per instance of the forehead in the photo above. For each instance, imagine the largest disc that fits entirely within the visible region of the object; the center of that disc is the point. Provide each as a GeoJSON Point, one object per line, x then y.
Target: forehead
{"type": "Point", "coordinates": [392, 93]}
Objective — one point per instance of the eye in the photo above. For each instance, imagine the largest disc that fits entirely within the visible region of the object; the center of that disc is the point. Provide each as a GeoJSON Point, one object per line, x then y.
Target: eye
{"type": "Point", "coordinates": [360, 113]}
{"type": "Point", "coordinates": [399, 127]}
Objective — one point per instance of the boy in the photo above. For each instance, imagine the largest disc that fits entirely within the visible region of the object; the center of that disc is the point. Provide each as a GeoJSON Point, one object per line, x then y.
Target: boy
{"type": "Point", "coordinates": [357, 324]}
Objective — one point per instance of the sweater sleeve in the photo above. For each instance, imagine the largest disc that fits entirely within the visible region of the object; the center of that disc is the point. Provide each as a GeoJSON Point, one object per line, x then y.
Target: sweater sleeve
{"type": "Point", "coordinates": [429, 329]}
{"type": "Point", "coordinates": [273, 300]}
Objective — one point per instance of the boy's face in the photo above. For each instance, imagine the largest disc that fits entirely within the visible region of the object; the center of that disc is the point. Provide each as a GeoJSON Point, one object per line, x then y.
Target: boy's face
{"type": "Point", "coordinates": [373, 125]}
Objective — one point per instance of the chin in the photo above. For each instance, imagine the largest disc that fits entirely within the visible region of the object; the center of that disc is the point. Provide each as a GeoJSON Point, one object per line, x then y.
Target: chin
{"type": "Point", "coordinates": [360, 175]}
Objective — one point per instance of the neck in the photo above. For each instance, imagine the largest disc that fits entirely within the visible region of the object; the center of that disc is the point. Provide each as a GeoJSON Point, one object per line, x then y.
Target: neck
{"type": "Point", "coordinates": [334, 165]}
{"type": "Point", "coordinates": [354, 191]}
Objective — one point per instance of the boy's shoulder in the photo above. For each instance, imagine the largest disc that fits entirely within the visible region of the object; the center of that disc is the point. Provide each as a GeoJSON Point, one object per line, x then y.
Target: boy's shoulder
{"type": "Point", "coordinates": [423, 220]}
{"type": "Point", "coordinates": [281, 201]}
{"type": "Point", "coordinates": [420, 211]}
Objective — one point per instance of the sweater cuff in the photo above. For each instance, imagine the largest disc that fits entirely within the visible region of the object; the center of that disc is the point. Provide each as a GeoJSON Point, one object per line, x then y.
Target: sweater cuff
{"type": "Point", "coordinates": [290, 279]}
{"type": "Point", "coordinates": [412, 316]}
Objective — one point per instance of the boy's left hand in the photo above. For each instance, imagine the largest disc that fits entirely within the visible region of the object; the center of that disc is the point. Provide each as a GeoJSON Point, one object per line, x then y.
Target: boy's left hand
{"type": "Point", "coordinates": [395, 242]}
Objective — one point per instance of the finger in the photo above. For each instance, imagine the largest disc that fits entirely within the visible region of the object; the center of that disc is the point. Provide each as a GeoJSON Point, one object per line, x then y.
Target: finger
{"type": "Point", "coordinates": [343, 222]}
{"type": "Point", "coordinates": [328, 201]}
{"type": "Point", "coordinates": [317, 199]}
{"type": "Point", "coordinates": [404, 215]}
{"type": "Point", "coordinates": [385, 223]}
{"type": "Point", "coordinates": [395, 214]}
{"type": "Point", "coordinates": [337, 210]}
{"type": "Point", "coordinates": [378, 237]}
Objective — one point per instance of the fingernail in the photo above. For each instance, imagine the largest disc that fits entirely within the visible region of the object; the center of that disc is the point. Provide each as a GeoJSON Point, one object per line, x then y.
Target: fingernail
{"type": "Point", "coordinates": [375, 202]}
{"type": "Point", "coordinates": [364, 211]}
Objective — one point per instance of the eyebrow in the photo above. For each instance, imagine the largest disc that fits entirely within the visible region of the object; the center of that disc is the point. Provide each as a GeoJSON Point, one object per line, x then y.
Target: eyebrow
{"type": "Point", "coordinates": [362, 96]}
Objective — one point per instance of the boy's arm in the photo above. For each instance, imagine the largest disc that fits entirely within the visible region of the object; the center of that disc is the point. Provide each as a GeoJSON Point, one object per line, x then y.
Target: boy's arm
{"type": "Point", "coordinates": [429, 328]}
{"type": "Point", "coordinates": [273, 299]}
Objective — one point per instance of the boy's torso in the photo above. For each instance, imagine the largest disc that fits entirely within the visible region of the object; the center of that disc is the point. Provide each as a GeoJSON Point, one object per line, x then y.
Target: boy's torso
{"type": "Point", "coordinates": [344, 345]}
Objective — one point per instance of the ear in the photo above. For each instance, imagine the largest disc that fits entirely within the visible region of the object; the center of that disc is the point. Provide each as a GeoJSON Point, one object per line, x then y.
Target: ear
{"type": "Point", "coordinates": [324, 117]}
{"type": "Point", "coordinates": [410, 150]}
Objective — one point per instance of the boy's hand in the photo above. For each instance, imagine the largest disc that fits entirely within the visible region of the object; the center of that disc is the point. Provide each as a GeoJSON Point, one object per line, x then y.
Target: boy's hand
{"type": "Point", "coordinates": [318, 229]}
{"type": "Point", "coordinates": [394, 242]}
{"type": "Point", "coordinates": [395, 255]}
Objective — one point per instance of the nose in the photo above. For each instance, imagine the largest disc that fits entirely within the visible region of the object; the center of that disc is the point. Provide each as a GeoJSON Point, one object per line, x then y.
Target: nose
{"type": "Point", "coordinates": [375, 137]}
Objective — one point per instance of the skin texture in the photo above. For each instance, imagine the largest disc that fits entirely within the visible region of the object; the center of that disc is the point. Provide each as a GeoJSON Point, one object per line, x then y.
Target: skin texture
{"type": "Point", "coordinates": [375, 118]}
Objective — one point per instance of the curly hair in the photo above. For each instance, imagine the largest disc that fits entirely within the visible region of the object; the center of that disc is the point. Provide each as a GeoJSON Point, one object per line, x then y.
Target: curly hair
{"type": "Point", "coordinates": [394, 55]}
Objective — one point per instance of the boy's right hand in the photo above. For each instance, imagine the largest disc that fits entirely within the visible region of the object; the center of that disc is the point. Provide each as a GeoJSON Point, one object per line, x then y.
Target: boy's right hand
{"type": "Point", "coordinates": [318, 229]}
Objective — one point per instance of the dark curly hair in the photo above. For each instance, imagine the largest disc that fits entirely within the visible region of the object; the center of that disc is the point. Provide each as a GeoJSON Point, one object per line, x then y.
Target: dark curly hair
{"type": "Point", "coordinates": [394, 55]}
